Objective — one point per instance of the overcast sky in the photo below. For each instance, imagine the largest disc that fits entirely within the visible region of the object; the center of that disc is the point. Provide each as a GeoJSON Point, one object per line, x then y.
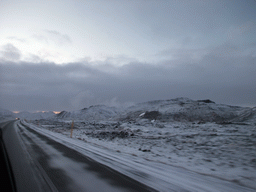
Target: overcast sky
{"type": "Point", "coordinates": [67, 55]}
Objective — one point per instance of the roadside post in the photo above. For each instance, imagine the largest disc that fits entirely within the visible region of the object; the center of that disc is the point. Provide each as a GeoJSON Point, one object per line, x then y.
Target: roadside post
{"type": "Point", "coordinates": [72, 125]}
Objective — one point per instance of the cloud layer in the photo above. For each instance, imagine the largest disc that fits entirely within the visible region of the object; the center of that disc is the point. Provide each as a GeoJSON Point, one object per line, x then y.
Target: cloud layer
{"type": "Point", "coordinates": [223, 75]}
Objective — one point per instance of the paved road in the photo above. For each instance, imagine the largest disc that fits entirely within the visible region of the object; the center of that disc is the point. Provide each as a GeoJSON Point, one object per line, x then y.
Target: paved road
{"type": "Point", "coordinates": [41, 164]}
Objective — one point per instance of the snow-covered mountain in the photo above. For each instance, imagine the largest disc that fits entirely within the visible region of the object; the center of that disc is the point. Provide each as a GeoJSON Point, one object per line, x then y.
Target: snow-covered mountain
{"type": "Point", "coordinates": [248, 115]}
{"type": "Point", "coordinates": [183, 109]}
{"type": "Point", "coordinates": [179, 109]}
{"type": "Point", "coordinates": [6, 114]}
{"type": "Point", "coordinates": [97, 112]}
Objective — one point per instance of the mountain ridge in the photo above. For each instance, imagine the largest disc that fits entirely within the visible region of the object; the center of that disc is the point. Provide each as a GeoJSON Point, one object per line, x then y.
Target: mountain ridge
{"type": "Point", "coordinates": [180, 109]}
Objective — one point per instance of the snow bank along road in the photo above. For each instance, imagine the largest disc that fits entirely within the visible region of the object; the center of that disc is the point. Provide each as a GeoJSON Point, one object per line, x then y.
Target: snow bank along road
{"type": "Point", "coordinates": [59, 163]}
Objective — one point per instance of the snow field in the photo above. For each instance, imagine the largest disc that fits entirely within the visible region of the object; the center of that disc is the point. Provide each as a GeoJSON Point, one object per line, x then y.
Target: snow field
{"type": "Point", "coordinates": [224, 151]}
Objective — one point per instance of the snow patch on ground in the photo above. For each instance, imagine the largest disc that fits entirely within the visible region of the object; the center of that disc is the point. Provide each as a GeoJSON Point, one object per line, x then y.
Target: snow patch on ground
{"type": "Point", "coordinates": [225, 151]}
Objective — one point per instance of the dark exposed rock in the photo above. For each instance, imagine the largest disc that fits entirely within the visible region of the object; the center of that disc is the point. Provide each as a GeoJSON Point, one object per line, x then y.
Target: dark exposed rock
{"type": "Point", "coordinates": [206, 101]}
{"type": "Point", "coordinates": [151, 115]}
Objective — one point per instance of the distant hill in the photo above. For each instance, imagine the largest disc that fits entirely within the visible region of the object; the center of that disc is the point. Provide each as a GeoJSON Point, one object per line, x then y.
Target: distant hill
{"type": "Point", "coordinates": [6, 114]}
{"type": "Point", "coordinates": [33, 116]}
{"type": "Point", "coordinates": [248, 115]}
{"type": "Point", "coordinates": [179, 109]}
{"type": "Point", "coordinates": [97, 112]}
{"type": "Point", "coordinates": [184, 109]}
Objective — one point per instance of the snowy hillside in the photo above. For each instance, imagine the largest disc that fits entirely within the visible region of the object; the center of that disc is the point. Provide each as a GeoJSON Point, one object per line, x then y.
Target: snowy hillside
{"type": "Point", "coordinates": [248, 115]}
{"type": "Point", "coordinates": [93, 113]}
{"type": "Point", "coordinates": [6, 114]}
{"type": "Point", "coordinates": [184, 109]}
{"type": "Point", "coordinates": [179, 109]}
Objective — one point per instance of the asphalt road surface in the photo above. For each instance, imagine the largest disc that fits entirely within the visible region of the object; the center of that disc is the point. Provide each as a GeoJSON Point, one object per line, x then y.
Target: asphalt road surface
{"type": "Point", "coordinates": [39, 163]}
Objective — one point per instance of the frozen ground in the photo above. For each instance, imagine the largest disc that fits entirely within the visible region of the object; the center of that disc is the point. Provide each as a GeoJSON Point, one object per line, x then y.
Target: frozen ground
{"type": "Point", "coordinates": [226, 151]}
{"type": "Point", "coordinates": [205, 139]}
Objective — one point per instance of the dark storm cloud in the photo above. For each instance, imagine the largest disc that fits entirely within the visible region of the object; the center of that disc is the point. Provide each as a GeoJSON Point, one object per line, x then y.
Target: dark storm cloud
{"type": "Point", "coordinates": [221, 76]}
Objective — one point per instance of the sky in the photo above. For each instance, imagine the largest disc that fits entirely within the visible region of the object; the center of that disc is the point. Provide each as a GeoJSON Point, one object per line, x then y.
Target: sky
{"type": "Point", "coordinates": [66, 55]}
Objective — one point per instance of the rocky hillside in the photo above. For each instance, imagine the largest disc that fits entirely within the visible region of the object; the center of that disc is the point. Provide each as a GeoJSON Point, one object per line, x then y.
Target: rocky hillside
{"type": "Point", "coordinates": [248, 115]}
{"type": "Point", "coordinates": [179, 109]}
{"type": "Point", "coordinates": [183, 109]}
{"type": "Point", "coordinates": [93, 113]}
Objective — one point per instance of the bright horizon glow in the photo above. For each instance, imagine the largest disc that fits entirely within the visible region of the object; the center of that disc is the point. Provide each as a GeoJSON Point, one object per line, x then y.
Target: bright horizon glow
{"type": "Point", "coordinates": [83, 32]}
{"type": "Point", "coordinates": [96, 30]}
